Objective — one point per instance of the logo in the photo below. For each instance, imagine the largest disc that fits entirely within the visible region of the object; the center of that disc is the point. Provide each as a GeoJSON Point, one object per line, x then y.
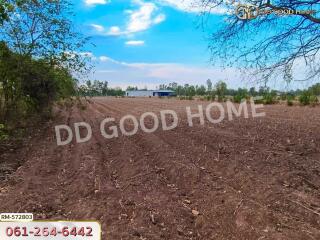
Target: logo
{"type": "Point", "coordinates": [249, 11]}
{"type": "Point", "coordinates": [246, 12]}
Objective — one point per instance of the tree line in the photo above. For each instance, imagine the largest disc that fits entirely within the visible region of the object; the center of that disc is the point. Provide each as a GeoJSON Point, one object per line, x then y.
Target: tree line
{"type": "Point", "coordinates": [220, 92]}
{"type": "Point", "coordinates": [99, 88]}
{"type": "Point", "coordinates": [215, 92]}
{"type": "Point", "coordinates": [40, 57]}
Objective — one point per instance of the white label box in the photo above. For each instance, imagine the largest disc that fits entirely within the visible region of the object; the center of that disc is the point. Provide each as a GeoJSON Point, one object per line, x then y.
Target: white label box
{"type": "Point", "coordinates": [16, 217]}
{"type": "Point", "coordinates": [58, 230]}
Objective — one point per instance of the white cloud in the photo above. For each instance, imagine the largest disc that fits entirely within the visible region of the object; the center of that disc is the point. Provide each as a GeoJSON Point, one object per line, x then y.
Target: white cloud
{"type": "Point", "coordinates": [139, 20]}
{"type": "Point", "coordinates": [114, 31]}
{"type": "Point", "coordinates": [135, 43]}
{"type": "Point", "coordinates": [103, 58]}
{"type": "Point", "coordinates": [95, 2]}
{"type": "Point", "coordinates": [97, 27]}
{"type": "Point", "coordinates": [109, 60]}
{"type": "Point", "coordinates": [184, 5]}
{"type": "Point", "coordinates": [193, 6]}
{"type": "Point", "coordinates": [160, 18]}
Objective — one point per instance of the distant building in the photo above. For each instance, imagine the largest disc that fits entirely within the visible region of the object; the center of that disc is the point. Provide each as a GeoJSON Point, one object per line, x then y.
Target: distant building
{"type": "Point", "coordinates": [150, 93]}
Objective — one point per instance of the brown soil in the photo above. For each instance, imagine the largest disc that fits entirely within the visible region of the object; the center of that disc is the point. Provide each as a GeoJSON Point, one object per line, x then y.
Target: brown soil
{"type": "Point", "coordinates": [242, 179]}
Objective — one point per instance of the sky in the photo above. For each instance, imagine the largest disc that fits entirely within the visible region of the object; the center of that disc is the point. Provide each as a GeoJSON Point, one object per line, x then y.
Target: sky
{"type": "Point", "coordinates": [146, 43]}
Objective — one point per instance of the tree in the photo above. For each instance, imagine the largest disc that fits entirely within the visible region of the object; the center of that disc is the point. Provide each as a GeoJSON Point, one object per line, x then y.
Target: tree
{"type": "Point", "coordinates": [209, 85]}
{"type": "Point", "coordinates": [173, 86]}
{"type": "Point", "coordinates": [252, 91]}
{"type": "Point", "coordinates": [43, 83]}
{"type": "Point", "coordinates": [34, 88]}
{"type": "Point", "coordinates": [163, 87]}
{"type": "Point", "coordinates": [221, 89]}
{"type": "Point", "coordinates": [9, 79]}
{"type": "Point", "coordinates": [315, 89]}
{"type": "Point", "coordinates": [43, 29]}
{"type": "Point", "coordinates": [130, 88]}
{"type": "Point", "coordinates": [5, 9]}
{"type": "Point", "coordinates": [105, 89]}
{"type": "Point", "coordinates": [241, 95]}
{"type": "Point", "coordinates": [115, 92]}
{"type": "Point", "coordinates": [271, 45]}
{"type": "Point", "coordinates": [98, 87]}
{"type": "Point", "coordinates": [180, 91]}
{"type": "Point", "coordinates": [39, 55]}
{"type": "Point", "coordinates": [200, 90]}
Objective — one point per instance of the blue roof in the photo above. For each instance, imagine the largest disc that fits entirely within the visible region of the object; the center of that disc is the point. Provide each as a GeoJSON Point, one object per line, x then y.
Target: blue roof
{"type": "Point", "coordinates": [162, 91]}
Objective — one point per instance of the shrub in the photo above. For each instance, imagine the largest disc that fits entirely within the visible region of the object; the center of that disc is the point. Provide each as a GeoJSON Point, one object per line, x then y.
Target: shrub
{"type": "Point", "coordinates": [284, 97]}
{"type": "Point", "coordinates": [289, 100]}
{"type": "Point", "coordinates": [259, 101]}
{"type": "Point", "coordinates": [240, 95]}
{"type": "Point", "coordinates": [189, 98]}
{"type": "Point", "coordinates": [210, 98]}
{"type": "Point", "coordinates": [305, 98]}
{"type": "Point", "coordinates": [269, 98]}
{"type": "Point", "coordinates": [221, 98]}
{"type": "Point", "coordinates": [239, 98]}
{"type": "Point", "coordinates": [3, 132]}
{"type": "Point", "coordinates": [314, 100]}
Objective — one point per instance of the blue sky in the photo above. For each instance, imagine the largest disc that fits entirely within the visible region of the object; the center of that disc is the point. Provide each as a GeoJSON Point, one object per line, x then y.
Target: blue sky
{"type": "Point", "coordinates": [147, 43]}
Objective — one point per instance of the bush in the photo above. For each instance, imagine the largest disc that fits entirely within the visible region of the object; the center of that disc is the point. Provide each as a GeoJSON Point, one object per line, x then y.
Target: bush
{"type": "Point", "coordinates": [239, 98]}
{"type": "Point", "coordinates": [306, 98]}
{"type": "Point", "coordinates": [284, 97]}
{"type": "Point", "coordinates": [221, 98]}
{"type": "Point", "coordinates": [269, 98]}
{"type": "Point", "coordinates": [259, 100]}
{"type": "Point", "coordinates": [3, 132]}
{"type": "Point", "coordinates": [240, 95]}
{"type": "Point", "coordinates": [190, 98]}
{"type": "Point", "coordinates": [289, 100]}
{"type": "Point", "coordinates": [186, 97]}
{"type": "Point", "coordinates": [314, 100]}
{"type": "Point", "coordinates": [210, 98]}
